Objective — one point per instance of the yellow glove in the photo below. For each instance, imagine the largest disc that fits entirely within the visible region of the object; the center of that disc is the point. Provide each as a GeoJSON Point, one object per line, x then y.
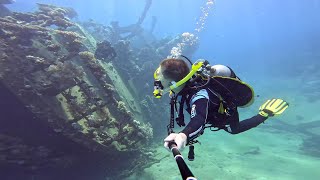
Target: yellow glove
{"type": "Point", "coordinates": [273, 107]}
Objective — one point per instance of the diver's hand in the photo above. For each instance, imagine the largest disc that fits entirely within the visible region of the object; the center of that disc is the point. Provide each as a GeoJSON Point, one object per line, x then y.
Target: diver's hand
{"type": "Point", "coordinates": [180, 139]}
{"type": "Point", "coordinates": [273, 107]}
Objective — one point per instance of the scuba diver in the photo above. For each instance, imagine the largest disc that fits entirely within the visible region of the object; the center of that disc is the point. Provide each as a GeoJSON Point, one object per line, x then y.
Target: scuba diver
{"type": "Point", "coordinates": [212, 95]}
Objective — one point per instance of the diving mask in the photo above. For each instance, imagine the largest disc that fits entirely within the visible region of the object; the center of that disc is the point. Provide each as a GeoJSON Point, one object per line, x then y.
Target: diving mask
{"type": "Point", "coordinates": [158, 87]}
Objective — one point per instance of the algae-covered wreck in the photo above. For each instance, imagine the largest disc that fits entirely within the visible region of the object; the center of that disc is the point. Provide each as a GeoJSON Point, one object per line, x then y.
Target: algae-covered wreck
{"type": "Point", "coordinates": [68, 100]}
{"type": "Point", "coordinates": [52, 71]}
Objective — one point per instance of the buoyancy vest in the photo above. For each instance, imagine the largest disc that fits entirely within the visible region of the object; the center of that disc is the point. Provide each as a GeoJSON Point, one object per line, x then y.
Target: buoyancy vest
{"type": "Point", "coordinates": [225, 95]}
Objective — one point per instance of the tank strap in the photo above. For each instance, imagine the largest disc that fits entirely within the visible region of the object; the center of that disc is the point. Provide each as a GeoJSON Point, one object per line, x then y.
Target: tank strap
{"type": "Point", "coordinates": [180, 118]}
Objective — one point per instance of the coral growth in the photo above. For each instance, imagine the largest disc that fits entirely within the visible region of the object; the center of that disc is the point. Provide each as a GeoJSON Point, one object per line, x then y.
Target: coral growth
{"type": "Point", "coordinates": [71, 40]}
{"type": "Point", "coordinates": [22, 28]}
{"type": "Point", "coordinates": [53, 15]}
{"type": "Point", "coordinates": [105, 51]}
{"type": "Point", "coordinates": [87, 56]}
{"type": "Point", "coordinates": [145, 129]}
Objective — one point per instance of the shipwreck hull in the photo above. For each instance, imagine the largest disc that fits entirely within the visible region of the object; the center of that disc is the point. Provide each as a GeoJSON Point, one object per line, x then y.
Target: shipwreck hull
{"type": "Point", "coordinates": [61, 110]}
{"type": "Point", "coordinates": [31, 149]}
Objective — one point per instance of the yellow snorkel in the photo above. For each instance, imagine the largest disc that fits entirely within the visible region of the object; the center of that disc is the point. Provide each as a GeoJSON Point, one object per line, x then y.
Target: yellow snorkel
{"type": "Point", "coordinates": [158, 87]}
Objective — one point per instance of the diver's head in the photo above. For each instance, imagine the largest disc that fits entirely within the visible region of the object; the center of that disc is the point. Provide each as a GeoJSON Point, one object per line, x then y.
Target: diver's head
{"type": "Point", "coordinates": [168, 73]}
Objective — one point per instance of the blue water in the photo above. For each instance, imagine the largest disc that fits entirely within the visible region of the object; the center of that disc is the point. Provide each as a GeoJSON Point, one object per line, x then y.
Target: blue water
{"type": "Point", "coordinates": [239, 33]}
{"type": "Point", "coordinates": [274, 45]}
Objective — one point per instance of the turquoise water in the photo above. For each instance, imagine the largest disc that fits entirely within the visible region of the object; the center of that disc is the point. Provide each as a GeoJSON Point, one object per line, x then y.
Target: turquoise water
{"type": "Point", "coordinates": [272, 45]}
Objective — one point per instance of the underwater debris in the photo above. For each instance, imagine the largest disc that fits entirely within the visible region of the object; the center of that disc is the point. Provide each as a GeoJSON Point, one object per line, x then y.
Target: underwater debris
{"type": "Point", "coordinates": [123, 52]}
{"type": "Point", "coordinates": [123, 46]}
{"type": "Point", "coordinates": [145, 59]}
{"type": "Point", "coordinates": [105, 51]}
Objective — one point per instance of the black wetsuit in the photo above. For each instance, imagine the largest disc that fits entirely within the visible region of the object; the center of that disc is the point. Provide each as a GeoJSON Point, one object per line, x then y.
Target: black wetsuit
{"type": "Point", "coordinates": [203, 107]}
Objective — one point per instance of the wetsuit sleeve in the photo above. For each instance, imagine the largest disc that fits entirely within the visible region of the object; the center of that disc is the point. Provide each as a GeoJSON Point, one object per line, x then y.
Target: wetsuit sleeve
{"type": "Point", "coordinates": [237, 127]}
{"type": "Point", "coordinates": [198, 118]}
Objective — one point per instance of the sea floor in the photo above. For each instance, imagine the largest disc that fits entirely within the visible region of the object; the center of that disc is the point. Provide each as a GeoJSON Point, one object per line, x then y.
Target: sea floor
{"type": "Point", "coordinates": [256, 155]}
